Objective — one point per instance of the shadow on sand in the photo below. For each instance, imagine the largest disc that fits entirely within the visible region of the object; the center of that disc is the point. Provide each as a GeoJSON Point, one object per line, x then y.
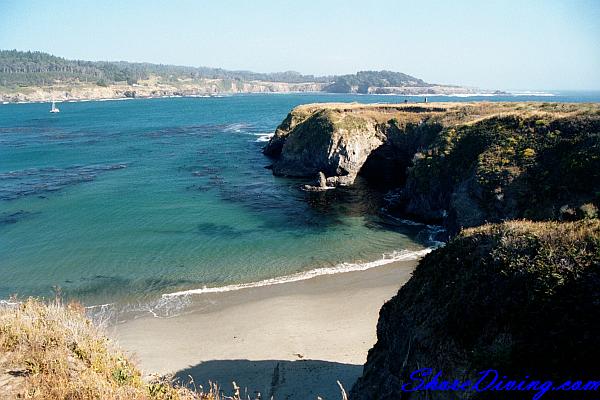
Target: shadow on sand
{"type": "Point", "coordinates": [293, 380]}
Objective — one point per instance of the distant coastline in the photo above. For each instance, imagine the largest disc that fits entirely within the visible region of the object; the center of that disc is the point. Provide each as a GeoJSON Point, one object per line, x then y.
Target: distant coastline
{"type": "Point", "coordinates": [149, 89]}
{"type": "Point", "coordinates": [27, 77]}
{"type": "Point", "coordinates": [212, 88]}
{"type": "Point", "coordinates": [116, 93]}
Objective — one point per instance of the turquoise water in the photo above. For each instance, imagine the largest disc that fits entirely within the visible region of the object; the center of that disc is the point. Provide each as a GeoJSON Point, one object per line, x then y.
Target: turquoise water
{"type": "Point", "coordinates": [123, 201]}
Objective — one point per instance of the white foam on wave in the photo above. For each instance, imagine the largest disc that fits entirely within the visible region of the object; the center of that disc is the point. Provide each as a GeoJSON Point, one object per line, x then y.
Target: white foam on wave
{"type": "Point", "coordinates": [403, 255]}
{"type": "Point", "coordinates": [528, 93]}
{"type": "Point", "coordinates": [116, 99]}
{"type": "Point", "coordinates": [111, 313]}
{"type": "Point", "coordinates": [308, 188]}
{"type": "Point", "coordinates": [174, 304]}
{"type": "Point", "coordinates": [236, 127]}
{"type": "Point", "coordinates": [101, 306]}
{"type": "Point", "coordinates": [263, 137]}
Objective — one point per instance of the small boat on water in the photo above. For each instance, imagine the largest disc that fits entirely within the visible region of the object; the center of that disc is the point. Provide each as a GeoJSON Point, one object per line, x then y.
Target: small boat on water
{"type": "Point", "coordinates": [54, 109]}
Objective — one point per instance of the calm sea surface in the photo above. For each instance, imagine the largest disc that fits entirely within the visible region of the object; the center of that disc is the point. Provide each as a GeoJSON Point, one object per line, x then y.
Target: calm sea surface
{"type": "Point", "coordinates": [123, 201]}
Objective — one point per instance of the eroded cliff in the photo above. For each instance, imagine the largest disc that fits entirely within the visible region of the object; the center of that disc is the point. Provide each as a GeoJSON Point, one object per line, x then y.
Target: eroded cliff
{"type": "Point", "coordinates": [459, 164]}
{"type": "Point", "coordinates": [519, 297]}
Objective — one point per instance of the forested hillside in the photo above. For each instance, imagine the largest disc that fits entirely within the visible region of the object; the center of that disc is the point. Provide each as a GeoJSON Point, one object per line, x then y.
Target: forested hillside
{"type": "Point", "coordinates": [37, 68]}
{"type": "Point", "coordinates": [36, 76]}
{"type": "Point", "coordinates": [363, 80]}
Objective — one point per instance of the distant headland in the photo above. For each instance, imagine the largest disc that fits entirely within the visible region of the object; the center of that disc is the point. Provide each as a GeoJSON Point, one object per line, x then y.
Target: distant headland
{"type": "Point", "coordinates": [33, 76]}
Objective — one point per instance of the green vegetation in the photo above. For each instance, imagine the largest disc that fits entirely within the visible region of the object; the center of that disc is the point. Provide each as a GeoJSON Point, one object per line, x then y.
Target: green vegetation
{"type": "Point", "coordinates": [361, 81]}
{"type": "Point", "coordinates": [534, 282]}
{"type": "Point", "coordinates": [540, 167]}
{"type": "Point", "coordinates": [34, 68]}
{"type": "Point", "coordinates": [520, 297]}
{"type": "Point", "coordinates": [18, 68]}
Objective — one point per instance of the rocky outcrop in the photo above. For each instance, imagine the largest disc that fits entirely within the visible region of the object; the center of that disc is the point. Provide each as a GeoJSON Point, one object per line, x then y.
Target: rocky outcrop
{"type": "Point", "coordinates": [520, 297]}
{"type": "Point", "coordinates": [320, 184]}
{"type": "Point", "coordinates": [327, 140]}
{"type": "Point", "coordinates": [534, 165]}
{"type": "Point", "coordinates": [458, 164]}
{"type": "Point", "coordinates": [339, 139]}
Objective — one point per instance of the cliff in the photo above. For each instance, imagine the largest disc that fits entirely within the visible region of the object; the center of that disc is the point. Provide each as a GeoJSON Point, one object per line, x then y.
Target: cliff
{"type": "Point", "coordinates": [151, 87]}
{"type": "Point", "coordinates": [519, 297]}
{"type": "Point", "coordinates": [457, 164]}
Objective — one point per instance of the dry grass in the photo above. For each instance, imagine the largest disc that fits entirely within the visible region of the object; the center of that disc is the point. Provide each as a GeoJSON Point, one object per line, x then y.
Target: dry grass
{"type": "Point", "coordinates": [451, 113]}
{"type": "Point", "coordinates": [52, 351]}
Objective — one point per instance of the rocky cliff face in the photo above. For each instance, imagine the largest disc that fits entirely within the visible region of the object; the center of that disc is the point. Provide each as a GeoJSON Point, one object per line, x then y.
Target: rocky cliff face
{"type": "Point", "coordinates": [331, 141]}
{"type": "Point", "coordinates": [519, 297]}
{"type": "Point", "coordinates": [458, 164]}
{"type": "Point", "coordinates": [147, 89]}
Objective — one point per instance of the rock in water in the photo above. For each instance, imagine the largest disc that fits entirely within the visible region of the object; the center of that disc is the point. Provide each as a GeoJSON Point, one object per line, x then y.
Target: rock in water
{"type": "Point", "coordinates": [321, 184]}
{"type": "Point", "coordinates": [322, 181]}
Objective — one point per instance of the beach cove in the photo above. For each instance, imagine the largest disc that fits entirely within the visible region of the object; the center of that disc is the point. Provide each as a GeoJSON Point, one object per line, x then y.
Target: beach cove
{"type": "Point", "coordinates": [292, 340]}
{"type": "Point", "coordinates": [178, 235]}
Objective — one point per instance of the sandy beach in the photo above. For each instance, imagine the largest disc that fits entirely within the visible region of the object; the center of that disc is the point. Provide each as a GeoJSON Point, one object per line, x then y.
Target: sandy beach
{"type": "Point", "coordinates": [290, 341]}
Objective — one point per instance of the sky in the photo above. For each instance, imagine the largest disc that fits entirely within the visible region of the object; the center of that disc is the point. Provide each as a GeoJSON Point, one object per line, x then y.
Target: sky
{"type": "Point", "coordinates": [509, 45]}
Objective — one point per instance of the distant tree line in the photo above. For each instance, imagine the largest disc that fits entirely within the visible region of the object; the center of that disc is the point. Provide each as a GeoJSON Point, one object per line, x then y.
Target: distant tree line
{"type": "Point", "coordinates": [363, 80]}
{"type": "Point", "coordinates": [38, 68]}
{"type": "Point", "coordinates": [35, 68]}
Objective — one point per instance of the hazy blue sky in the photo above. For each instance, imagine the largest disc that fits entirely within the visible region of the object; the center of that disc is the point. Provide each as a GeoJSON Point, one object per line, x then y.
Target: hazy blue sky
{"type": "Point", "coordinates": [524, 44]}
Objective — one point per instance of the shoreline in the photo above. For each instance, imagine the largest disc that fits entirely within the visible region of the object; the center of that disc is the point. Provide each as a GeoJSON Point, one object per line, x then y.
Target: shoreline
{"type": "Point", "coordinates": [229, 94]}
{"type": "Point", "coordinates": [181, 302]}
{"type": "Point", "coordinates": [396, 256]}
{"type": "Point", "coordinates": [313, 332]}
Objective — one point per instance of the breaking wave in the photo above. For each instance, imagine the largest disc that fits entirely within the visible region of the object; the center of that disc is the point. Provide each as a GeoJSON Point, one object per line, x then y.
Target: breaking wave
{"type": "Point", "coordinates": [403, 255]}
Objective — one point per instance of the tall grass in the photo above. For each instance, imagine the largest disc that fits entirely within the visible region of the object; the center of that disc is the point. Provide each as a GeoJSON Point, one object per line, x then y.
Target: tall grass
{"type": "Point", "coordinates": [52, 351]}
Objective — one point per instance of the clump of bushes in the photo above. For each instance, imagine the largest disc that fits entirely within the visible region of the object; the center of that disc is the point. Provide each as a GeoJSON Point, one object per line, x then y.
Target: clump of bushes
{"type": "Point", "coordinates": [520, 297]}
{"type": "Point", "coordinates": [509, 167]}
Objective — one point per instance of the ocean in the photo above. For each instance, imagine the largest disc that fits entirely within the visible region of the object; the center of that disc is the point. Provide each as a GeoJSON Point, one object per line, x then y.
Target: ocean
{"type": "Point", "coordinates": [136, 203]}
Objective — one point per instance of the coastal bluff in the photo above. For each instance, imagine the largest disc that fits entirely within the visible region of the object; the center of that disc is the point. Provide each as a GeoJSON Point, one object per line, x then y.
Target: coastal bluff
{"type": "Point", "coordinates": [456, 164]}
{"type": "Point", "coordinates": [517, 185]}
{"type": "Point", "coordinates": [519, 297]}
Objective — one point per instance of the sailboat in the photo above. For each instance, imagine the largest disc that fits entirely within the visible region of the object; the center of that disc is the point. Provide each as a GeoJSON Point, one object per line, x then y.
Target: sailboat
{"type": "Point", "coordinates": [54, 109]}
